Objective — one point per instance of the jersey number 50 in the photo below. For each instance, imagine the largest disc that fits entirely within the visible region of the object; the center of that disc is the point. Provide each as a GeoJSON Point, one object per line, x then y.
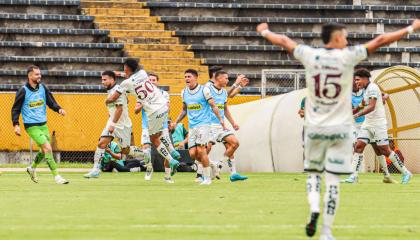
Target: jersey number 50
{"type": "Point", "coordinates": [327, 86]}
{"type": "Point", "coordinates": [144, 89]}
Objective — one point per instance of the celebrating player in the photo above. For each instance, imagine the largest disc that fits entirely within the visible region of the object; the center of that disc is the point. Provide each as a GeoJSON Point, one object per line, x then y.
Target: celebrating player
{"type": "Point", "coordinates": [32, 100]}
{"type": "Point", "coordinates": [153, 102]}
{"type": "Point", "coordinates": [119, 125]}
{"type": "Point", "coordinates": [166, 139]}
{"type": "Point", "coordinates": [198, 104]}
{"type": "Point", "coordinates": [328, 114]}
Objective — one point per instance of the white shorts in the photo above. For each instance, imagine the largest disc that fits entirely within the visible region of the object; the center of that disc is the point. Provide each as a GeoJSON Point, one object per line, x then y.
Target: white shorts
{"type": "Point", "coordinates": [157, 120]}
{"type": "Point", "coordinates": [123, 134]}
{"type": "Point", "coordinates": [217, 134]}
{"type": "Point", "coordinates": [145, 137]}
{"type": "Point", "coordinates": [199, 136]}
{"type": "Point", "coordinates": [377, 135]}
{"type": "Point", "coordinates": [329, 149]}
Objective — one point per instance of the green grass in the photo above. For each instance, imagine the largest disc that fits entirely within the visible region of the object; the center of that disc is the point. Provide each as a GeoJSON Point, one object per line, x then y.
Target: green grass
{"type": "Point", "coordinates": [267, 206]}
{"type": "Point", "coordinates": [44, 165]}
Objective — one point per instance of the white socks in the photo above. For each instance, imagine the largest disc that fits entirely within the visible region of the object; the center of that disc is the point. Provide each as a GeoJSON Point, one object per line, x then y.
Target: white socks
{"type": "Point", "coordinates": [313, 189]}
{"type": "Point", "coordinates": [384, 166]}
{"type": "Point", "coordinates": [331, 199]}
{"type": "Point", "coordinates": [395, 159]}
{"type": "Point", "coordinates": [200, 167]}
{"type": "Point", "coordinates": [232, 166]}
{"type": "Point", "coordinates": [99, 153]}
{"type": "Point", "coordinates": [167, 172]}
{"type": "Point", "coordinates": [206, 172]}
{"type": "Point", "coordinates": [357, 163]}
{"type": "Point", "coordinates": [164, 152]}
{"type": "Point", "coordinates": [166, 140]}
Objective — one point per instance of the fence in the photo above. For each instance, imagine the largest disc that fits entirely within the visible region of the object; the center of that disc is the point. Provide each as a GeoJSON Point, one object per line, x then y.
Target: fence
{"type": "Point", "coordinates": [74, 136]}
{"type": "Point", "coordinates": [279, 81]}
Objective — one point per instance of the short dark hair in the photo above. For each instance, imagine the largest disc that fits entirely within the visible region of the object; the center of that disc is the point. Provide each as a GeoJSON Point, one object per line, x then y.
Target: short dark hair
{"type": "Point", "coordinates": [109, 73]}
{"type": "Point", "coordinates": [132, 64]}
{"type": "Point", "coordinates": [31, 68]}
{"type": "Point", "coordinates": [362, 72]}
{"type": "Point", "coordinates": [192, 71]}
{"type": "Point", "coordinates": [328, 29]}
{"type": "Point", "coordinates": [218, 73]}
{"type": "Point", "coordinates": [213, 70]}
{"type": "Point", "coordinates": [154, 75]}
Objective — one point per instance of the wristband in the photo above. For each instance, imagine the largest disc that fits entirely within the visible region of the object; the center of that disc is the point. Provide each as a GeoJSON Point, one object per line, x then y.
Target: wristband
{"type": "Point", "coordinates": [265, 32]}
{"type": "Point", "coordinates": [410, 29]}
{"type": "Point", "coordinates": [235, 85]}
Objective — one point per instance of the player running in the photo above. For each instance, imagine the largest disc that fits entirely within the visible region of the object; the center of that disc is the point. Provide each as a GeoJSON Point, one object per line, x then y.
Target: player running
{"type": "Point", "coordinates": [374, 128]}
{"type": "Point", "coordinates": [328, 114]}
{"type": "Point", "coordinates": [119, 125]}
{"type": "Point", "coordinates": [32, 100]}
{"type": "Point", "coordinates": [145, 139]}
{"type": "Point", "coordinates": [198, 104]}
{"type": "Point", "coordinates": [153, 102]}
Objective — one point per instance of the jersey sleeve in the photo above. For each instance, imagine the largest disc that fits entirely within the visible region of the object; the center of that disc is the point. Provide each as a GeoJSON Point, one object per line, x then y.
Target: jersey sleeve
{"type": "Point", "coordinates": [373, 92]}
{"type": "Point", "coordinates": [182, 95]}
{"type": "Point", "coordinates": [303, 53]}
{"type": "Point", "coordinates": [120, 99]}
{"type": "Point", "coordinates": [207, 93]}
{"type": "Point", "coordinates": [355, 54]}
{"type": "Point", "coordinates": [124, 86]}
{"type": "Point", "coordinates": [166, 95]}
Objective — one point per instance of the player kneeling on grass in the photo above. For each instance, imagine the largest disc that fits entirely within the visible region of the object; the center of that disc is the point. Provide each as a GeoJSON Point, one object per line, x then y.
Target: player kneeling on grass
{"type": "Point", "coordinates": [198, 104]}
{"type": "Point", "coordinates": [218, 134]}
{"type": "Point", "coordinates": [118, 125]}
{"type": "Point", "coordinates": [112, 159]}
{"type": "Point", "coordinates": [32, 101]}
{"type": "Point", "coordinates": [374, 128]}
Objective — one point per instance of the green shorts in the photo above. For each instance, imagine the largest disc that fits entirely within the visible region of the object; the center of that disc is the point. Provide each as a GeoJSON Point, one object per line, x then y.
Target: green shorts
{"type": "Point", "coordinates": [40, 134]}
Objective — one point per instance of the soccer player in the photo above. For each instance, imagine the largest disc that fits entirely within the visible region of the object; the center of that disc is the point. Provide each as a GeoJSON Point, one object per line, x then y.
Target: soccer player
{"type": "Point", "coordinates": [112, 159]}
{"type": "Point", "coordinates": [153, 102]}
{"type": "Point", "coordinates": [198, 104]}
{"type": "Point", "coordinates": [328, 114]}
{"type": "Point", "coordinates": [119, 125]}
{"type": "Point", "coordinates": [374, 128]}
{"type": "Point", "coordinates": [32, 100]}
{"type": "Point", "coordinates": [166, 139]}
{"type": "Point", "coordinates": [357, 99]}
{"type": "Point", "coordinates": [218, 134]}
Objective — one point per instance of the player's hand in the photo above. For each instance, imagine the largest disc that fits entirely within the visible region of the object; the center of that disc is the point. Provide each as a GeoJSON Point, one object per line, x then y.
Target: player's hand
{"type": "Point", "coordinates": [261, 27]}
{"type": "Point", "coordinates": [62, 112]}
{"type": "Point", "coordinates": [17, 130]}
{"type": "Point", "coordinates": [111, 128]}
{"type": "Point", "coordinates": [239, 79]}
{"type": "Point", "coordinates": [119, 74]}
{"type": "Point", "coordinates": [107, 150]}
{"type": "Point", "coordinates": [244, 82]}
{"type": "Point", "coordinates": [416, 24]}
{"type": "Point", "coordinates": [235, 126]}
{"type": "Point", "coordinates": [223, 125]}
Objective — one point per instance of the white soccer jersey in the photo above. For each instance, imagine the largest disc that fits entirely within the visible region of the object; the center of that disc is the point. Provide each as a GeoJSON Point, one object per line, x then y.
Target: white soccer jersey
{"type": "Point", "coordinates": [124, 120]}
{"type": "Point", "coordinates": [377, 117]}
{"type": "Point", "coordinates": [329, 79]}
{"type": "Point", "coordinates": [147, 94]}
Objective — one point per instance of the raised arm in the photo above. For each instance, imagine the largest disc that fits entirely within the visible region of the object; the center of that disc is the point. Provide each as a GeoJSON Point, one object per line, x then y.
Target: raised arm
{"type": "Point", "coordinates": [387, 38]}
{"type": "Point", "coordinates": [276, 39]}
{"type": "Point", "coordinates": [240, 82]}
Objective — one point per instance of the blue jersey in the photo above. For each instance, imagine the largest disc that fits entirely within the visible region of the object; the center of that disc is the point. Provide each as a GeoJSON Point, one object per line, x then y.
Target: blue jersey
{"type": "Point", "coordinates": [198, 108]}
{"type": "Point", "coordinates": [356, 100]}
{"type": "Point", "coordinates": [220, 99]}
{"type": "Point", "coordinates": [34, 108]}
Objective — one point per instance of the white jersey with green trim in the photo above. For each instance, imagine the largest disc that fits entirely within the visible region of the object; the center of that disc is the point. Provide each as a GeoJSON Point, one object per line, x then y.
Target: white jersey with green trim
{"type": "Point", "coordinates": [329, 81]}
{"type": "Point", "coordinates": [124, 120]}
{"type": "Point", "coordinates": [147, 94]}
{"type": "Point", "coordinates": [377, 117]}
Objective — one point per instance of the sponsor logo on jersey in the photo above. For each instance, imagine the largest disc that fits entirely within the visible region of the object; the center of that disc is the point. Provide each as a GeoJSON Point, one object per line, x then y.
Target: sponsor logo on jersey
{"type": "Point", "coordinates": [36, 104]}
{"type": "Point", "coordinates": [194, 107]}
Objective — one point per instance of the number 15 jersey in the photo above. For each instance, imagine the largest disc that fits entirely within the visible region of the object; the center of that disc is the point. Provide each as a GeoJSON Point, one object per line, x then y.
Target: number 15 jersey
{"type": "Point", "coordinates": [329, 81]}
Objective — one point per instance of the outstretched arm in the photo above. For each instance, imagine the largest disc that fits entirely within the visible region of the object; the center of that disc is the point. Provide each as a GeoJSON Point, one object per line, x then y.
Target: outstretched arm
{"type": "Point", "coordinates": [277, 39]}
{"type": "Point", "coordinates": [387, 38]}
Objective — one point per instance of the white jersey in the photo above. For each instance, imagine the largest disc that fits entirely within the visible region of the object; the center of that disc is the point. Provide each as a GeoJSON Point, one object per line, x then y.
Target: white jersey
{"type": "Point", "coordinates": [124, 120]}
{"type": "Point", "coordinates": [329, 79]}
{"type": "Point", "coordinates": [377, 117]}
{"type": "Point", "coordinates": [147, 94]}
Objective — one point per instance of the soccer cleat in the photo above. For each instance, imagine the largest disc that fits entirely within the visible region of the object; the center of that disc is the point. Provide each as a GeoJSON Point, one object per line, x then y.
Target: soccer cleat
{"type": "Point", "coordinates": [135, 169]}
{"type": "Point", "coordinates": [326, 237]}
{"type": "Point", "coordinates": [32, 174]}
{"type": "Point", "coordinates": [175, 154]}
{"type": "Point", "coordinates": [311, 226]}
{"type": "Point", "coordinates": [237, 177]}
{"type": "Point", "coordinates": [198, 178]}
{"type": "Point", "coordinates": [60, 180]}
{"type": "Point", "coordinates": [406, 177]}
{"type": "Point", "coordinates": [206, 181]}
{"type": "Point", "coordinates": [94, 173]}
{"type": "Point", "coordinates": [388, 179]}
{"type": "Point", "coordinates": [173, 164]}
{"type": "Point", "coordinates": [351, 179]}
{"type": "Point", "coordinates": [149, 172]}
{"type": "Point", "coordinates": [168, 180]}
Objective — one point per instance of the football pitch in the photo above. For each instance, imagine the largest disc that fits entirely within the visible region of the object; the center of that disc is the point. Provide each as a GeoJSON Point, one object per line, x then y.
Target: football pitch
{"type": "Point", "coordinates": [267, 206]}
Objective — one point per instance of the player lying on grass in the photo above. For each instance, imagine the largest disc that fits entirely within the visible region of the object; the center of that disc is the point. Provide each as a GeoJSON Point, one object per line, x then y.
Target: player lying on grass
{"type": "Point", "coordinates": [32, 100]}
{"type": "Point", "coordinates": [153, 102]}
{"type": "Point", "coordinates": [119, 125]}
{"type": "Point", "coordinates": [112, 159]}
{"type": "Point", "coordinates": [328, 114]}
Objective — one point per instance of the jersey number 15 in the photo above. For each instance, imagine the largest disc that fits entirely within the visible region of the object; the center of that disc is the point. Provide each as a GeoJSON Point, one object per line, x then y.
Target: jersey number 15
{"type": "Point", "coordinates": [327, 86]}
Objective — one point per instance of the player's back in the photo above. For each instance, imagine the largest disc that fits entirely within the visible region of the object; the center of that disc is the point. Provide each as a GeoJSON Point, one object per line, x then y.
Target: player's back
{"type": "Point", "coordinates": [329, 79]}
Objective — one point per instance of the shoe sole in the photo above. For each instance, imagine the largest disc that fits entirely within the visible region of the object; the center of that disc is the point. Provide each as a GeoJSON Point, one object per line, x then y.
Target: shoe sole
{"type": "Point", "coordinates": [31, 176]}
